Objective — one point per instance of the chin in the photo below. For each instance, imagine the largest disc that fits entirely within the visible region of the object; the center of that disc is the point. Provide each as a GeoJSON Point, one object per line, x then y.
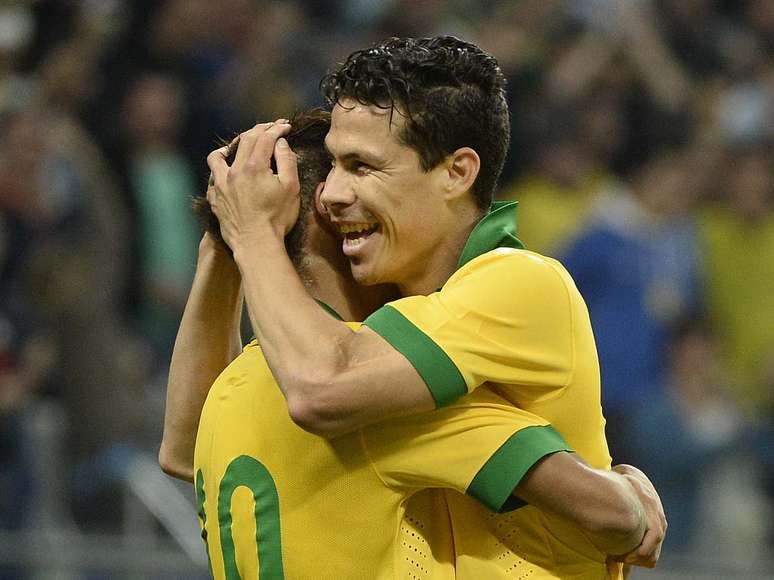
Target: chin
{"type": "Point", "coordinates": [364, 276]}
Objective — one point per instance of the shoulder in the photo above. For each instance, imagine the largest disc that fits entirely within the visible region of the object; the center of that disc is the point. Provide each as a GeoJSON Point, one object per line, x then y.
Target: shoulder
{"type": "Point", "coordinates": [509, 268]}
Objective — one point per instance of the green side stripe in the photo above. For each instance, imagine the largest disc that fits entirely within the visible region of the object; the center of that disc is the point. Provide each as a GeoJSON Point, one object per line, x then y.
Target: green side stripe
{"type": "Point", "coordinates": [439, 372]}
{"type": "Point", "coordinates": [496, 480]}
{"type": "Point", "coordinates": [200, 501]}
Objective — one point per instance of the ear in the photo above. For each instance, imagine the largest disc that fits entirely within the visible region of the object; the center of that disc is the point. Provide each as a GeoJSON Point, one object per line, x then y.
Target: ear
{"type": "Point", "coordinates": [462, 168]}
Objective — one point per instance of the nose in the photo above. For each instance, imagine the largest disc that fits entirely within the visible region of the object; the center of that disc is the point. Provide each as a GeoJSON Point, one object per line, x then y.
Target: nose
{"type": "Point", "coordinates": [338, 191]}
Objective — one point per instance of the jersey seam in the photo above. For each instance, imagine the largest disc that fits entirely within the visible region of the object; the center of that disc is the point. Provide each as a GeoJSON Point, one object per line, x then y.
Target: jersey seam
{"type": "Point", "coordinates": [543, 531]}
{"type": "Point", "coordinates": [573, 352]}
{"type": "Point", "coordinates": [371, 462]}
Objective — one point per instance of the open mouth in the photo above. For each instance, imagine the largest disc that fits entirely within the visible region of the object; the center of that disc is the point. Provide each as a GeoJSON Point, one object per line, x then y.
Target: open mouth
{"type": "Point", "coordinates": [356, 233]}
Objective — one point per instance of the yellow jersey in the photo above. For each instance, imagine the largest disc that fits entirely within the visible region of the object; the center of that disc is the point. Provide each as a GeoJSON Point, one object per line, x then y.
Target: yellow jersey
{"type": "Point", "coordinates": [276, 502]}
{"type": "Point", "coordinates": [513, 321]}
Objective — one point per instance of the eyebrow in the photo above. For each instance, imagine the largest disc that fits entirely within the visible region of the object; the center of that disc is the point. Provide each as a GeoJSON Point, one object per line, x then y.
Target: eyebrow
{"type": "Point", "coordinates": [359, 155]}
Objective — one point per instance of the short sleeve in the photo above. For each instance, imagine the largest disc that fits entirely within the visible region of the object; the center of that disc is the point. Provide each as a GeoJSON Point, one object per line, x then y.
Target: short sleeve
{"type": "Point", "coordinates": [505, 317]}
{"type": "Point", "coordinates": [480, 445]}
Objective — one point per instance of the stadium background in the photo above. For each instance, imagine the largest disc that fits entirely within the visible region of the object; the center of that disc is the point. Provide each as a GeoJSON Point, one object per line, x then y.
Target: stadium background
{"type": "Point", "coordinates": [642, 156]}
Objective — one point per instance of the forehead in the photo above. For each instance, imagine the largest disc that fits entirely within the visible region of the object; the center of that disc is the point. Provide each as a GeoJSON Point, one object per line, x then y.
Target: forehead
{"type": "Point", "coordinates": [358, 126]}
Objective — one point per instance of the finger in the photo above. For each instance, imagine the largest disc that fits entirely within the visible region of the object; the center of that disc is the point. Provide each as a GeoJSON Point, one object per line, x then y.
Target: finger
{"type": "Point", "coordinates": [264, 147]}
{"type": "Point", "coordinates": [652, 542]}
{"type": "Point", "coordinates": [247, 141]}
{"type": "Point", "coordinates": [648, 544]}
{"type": "Point", "coordinates": [287, 165]}
{"type": "Point", "coordinates": [646, 560]}
{"type": "Point", "coordinates": [641, 562]}
{"type": "Point", "coordinates": [661, 515]}
{"type": "Point", "coordinates": [218, 166]}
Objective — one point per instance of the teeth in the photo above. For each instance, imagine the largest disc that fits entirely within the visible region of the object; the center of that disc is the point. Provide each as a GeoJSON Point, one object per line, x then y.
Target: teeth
{"type": "Point", "coordinates": [352, 228]}
{"type": "Point", "coordinates": [353, 241]}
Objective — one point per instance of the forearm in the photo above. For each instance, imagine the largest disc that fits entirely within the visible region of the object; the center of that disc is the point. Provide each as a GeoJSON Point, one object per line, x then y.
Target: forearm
{"type": "Point", "coordinates": [207, 341]}
{"type": "Point", "coordinates": [334, 380]}
{"type": "Point", "coordinates": [306, 348]}
{"type": "Point", "coordinates": [600, 502]}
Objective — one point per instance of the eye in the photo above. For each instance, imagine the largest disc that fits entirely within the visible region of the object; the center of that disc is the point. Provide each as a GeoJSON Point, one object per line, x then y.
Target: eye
{"type": "Point", "coordinates": [360, 168]}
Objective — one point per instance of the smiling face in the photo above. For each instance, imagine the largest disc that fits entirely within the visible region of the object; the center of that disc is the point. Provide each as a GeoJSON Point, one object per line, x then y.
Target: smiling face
{"type": "Point", "coordinates": [391, 213]}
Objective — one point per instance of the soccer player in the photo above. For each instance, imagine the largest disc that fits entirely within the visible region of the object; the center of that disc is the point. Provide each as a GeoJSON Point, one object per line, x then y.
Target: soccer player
{"type": "Point", "coordinates": [247, 445]}
{"type": "Point", "coordinates": [419, 133]}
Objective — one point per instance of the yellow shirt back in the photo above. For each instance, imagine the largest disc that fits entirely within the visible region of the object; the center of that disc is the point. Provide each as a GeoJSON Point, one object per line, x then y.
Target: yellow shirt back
{"type": "Point", "coordinates": [277, 502]}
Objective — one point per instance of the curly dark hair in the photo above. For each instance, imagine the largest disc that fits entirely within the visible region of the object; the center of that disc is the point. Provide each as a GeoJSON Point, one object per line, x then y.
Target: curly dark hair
{"type": "Point", "coordinates": [451, 92]}
{"type": "Point", "coordinates": [306, 138]}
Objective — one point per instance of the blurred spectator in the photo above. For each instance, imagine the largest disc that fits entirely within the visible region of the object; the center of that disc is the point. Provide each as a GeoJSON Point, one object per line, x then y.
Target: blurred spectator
{"type": "Point", "coordinates": [679, 432]}
{"type": "Point", "coordinates": [566, 179]}
{"type": "Point", "coordinates": [163, 185]}
{"type": "Point", "coordinates": [637, 264]}
{"type": "Point", "coordinates": [738, 237]}
{"type": "Point", "coordinates": [69, 256]}
{"type": "Point", "coordinates": [604, 96]}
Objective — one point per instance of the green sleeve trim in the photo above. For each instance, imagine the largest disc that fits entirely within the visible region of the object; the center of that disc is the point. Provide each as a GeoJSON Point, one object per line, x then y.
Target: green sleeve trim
{"type": "Point", "coordinates": [439, 372]}
{"type": "Point", "coordinates": [494, 483]}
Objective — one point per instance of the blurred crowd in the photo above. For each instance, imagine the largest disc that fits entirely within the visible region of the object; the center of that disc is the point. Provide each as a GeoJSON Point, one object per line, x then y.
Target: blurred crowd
{"type": "Point", "coordinates": [641, 157]}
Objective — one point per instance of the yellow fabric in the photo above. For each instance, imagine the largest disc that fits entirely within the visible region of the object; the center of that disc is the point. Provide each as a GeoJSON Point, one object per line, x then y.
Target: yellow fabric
{"type": "Point", "coordinates": [341, 502]}
{"type": "Point", "coordinates": [739, 260]}
{"type": "Point", "coordinates": [514, 321]}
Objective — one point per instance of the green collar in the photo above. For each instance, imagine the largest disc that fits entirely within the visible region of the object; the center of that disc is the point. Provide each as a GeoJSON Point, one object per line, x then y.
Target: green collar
{"type": "Point", "coordinates": [497, 229]}
{"type": "Point", "coordinates": [329, 309]}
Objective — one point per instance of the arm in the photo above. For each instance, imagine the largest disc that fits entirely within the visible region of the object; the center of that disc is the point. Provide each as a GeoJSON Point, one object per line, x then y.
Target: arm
{"type": "Point", "coordinates": [348, 379]}
{"type": "Point", "coordinates": [602, 503]}
{"type": "Point", "coordinates": [207, 341]}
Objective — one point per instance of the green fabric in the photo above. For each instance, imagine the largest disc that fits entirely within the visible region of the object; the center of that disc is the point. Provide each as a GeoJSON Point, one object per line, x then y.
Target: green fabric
{"type": "Point", "coordinates": [200, 500]}
{"type": "Point", "coordinates": [251, 473]}
{"type": "Point", "coordinates": [495, 230]}
{"type": "Point", "coordinates": [329, 309]}
{"type": "Point", "coordinates": [439, 372]}
{"type": "Point", "coordinates": [494, 483]}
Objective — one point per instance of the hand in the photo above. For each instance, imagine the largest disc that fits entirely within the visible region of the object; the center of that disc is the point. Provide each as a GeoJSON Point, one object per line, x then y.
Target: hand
{"type": "Point", "coordinates": [649, 550]}
{"type": "Point", "coordinates": [250, 200]}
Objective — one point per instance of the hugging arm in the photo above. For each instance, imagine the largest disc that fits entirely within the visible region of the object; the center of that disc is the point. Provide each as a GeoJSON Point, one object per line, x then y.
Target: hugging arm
{"type": "Point", "coordinates": [619, 510]}
{"type": "Point", "coordinates": [326, 392]}
{"type": "Point", "coordinates": [207, 341]}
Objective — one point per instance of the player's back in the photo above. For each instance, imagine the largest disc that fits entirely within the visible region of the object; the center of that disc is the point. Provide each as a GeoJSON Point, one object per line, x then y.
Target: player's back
{"type": "Point", "coordinates": [277, 500]}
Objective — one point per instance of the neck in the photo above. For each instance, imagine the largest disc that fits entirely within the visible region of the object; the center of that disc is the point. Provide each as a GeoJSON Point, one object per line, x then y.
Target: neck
{"type": "Point", "coordinates": [434, 269]}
